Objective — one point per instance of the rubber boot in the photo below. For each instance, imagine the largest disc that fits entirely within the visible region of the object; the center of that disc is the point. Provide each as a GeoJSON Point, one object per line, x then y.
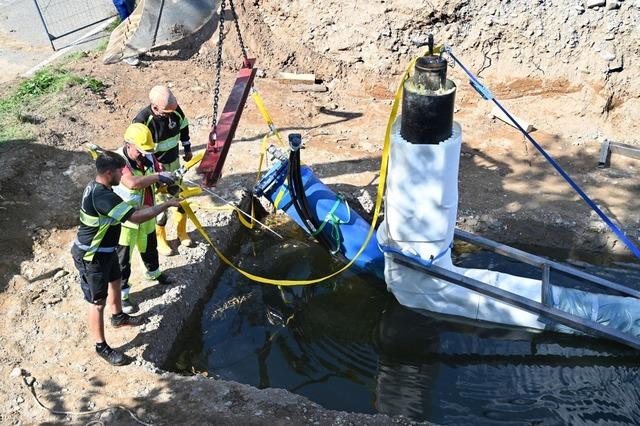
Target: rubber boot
{"type": "Point", "coordinates": [181, 221]}
{"type": "Point", "coordinates": [163, 246]}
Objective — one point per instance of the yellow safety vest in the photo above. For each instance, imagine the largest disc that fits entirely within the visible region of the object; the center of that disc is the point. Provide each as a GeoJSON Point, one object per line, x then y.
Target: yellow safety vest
{"type": "Point", "coordinates": [135, 197]}
{"type": "Point", "coordinates": [103, 223]}
{"type": "Point", "coordinates": [170, 142]}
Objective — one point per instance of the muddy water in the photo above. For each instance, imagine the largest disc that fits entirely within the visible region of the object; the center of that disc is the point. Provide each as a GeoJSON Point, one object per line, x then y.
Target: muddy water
{"type": "Point", "coordinates": [348, 345]}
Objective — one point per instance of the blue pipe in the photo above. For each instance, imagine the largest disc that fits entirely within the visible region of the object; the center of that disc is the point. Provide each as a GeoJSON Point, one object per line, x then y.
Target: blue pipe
{"type": "Point", "coordinates": [322, 200]}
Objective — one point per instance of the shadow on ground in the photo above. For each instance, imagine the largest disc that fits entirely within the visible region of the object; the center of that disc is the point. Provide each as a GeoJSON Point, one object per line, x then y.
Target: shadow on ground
{"type": "Point", "coordinates": [40, 189]}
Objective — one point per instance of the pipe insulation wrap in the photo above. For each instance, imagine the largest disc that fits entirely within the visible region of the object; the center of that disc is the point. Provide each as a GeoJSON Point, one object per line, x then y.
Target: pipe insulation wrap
{"type": "Point", "coordinates": [420, 217]}
{"type": "Point", "coordinates": [421, 210]}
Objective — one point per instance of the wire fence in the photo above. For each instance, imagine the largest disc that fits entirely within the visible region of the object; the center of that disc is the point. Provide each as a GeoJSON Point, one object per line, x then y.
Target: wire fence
{"type": "Point", "coordinates": [64, 17]}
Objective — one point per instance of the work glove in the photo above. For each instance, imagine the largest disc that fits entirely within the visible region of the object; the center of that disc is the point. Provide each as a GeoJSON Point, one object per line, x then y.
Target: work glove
{"type": "Point", "coordinates": [166, 178]}
{"type": "Point", "coordinates": [187, 152]}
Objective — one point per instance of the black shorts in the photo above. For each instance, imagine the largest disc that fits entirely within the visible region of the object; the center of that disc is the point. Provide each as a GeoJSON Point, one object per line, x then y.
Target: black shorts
{"type": "Point", "coordinates": [96, 274]}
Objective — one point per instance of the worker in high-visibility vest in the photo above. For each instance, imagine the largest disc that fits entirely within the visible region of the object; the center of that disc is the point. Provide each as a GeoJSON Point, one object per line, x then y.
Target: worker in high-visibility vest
{"type": "Point", "coordinates": [169, 127]}
{"type": "Point", "coordinates": [140, 177]}
{"type": "Point", "coordinates": [94, 250]}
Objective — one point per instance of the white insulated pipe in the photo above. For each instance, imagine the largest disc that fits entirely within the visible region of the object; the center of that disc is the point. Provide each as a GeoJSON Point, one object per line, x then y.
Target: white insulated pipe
{"type": "Point", "coordinates": [421, 206]}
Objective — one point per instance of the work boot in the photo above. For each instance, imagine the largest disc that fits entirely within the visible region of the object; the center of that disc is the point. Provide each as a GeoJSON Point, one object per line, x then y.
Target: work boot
{"type": "Point", "coordinates": [125, 320]}
{"type": "Point", "coordinates": [110, 355]}
{"type": "Point", "coordinates": [162, 279]}
{"type": "Point", "coordinates": [128, 307]}
{"type": "Point", "coordinates": [163, 246]}
{"type": "Point", "coordinates": [157, 277]}
{"type": "Point", "coordinates": [181, 221]}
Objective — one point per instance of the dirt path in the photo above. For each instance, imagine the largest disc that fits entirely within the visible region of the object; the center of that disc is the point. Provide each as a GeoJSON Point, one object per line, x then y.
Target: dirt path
{"type": "Point", "coordinates": [507, 192]}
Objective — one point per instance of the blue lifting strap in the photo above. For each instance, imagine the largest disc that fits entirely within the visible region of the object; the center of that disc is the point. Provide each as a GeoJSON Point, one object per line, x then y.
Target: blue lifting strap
{"type": "Point", "coordinates": [424, 262]}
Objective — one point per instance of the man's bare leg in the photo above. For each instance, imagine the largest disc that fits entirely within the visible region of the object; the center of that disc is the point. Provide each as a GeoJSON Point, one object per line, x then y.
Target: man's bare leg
{"type": "Point", "coordinates": [96, 322]}
{"type": "Point", "coordinates": [114, 298]}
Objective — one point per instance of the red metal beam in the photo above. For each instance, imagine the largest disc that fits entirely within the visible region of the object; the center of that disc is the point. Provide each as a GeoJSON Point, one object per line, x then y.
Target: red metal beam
{"type": "Point", "coordinates": [216, 153]}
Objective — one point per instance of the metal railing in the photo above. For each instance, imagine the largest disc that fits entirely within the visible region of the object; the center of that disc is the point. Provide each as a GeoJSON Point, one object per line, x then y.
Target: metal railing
{"type": "Point", "coordinates": [61, 18]}
{"type": "Point", "coordinates": [578, 323]}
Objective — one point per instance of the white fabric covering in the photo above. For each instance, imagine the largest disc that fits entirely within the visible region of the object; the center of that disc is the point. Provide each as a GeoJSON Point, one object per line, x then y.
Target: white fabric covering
{"type": "Point", "coordinates": [421, 206]}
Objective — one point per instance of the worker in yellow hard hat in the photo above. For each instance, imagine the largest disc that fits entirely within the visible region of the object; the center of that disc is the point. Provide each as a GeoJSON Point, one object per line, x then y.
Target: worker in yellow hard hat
{"type": "Point", "coordinates": [140, 178]}
{"type": "Point", "coordinates": [169, 127]}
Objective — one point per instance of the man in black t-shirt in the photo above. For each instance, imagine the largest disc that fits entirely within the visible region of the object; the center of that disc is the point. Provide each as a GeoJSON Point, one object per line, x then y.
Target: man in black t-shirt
{"type": "Point", "coordinates": [94, 250]}
{"type": "Point", "coordinates": [169, 127]}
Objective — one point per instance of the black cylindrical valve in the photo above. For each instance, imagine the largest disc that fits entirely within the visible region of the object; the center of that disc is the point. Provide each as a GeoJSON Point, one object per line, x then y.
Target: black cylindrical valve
{"type": "Point", "coordinates": [428, 102]}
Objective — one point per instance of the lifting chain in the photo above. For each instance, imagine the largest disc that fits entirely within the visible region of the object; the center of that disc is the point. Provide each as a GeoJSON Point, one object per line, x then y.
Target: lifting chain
{"type": "Point", "coordinates": [240, 41]}
{"type": "Point", "coordinates": [219, 63]}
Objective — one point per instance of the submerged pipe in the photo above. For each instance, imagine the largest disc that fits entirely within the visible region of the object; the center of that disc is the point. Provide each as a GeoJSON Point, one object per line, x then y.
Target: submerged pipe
{"type": "Point", "coordinates": [349, 234]}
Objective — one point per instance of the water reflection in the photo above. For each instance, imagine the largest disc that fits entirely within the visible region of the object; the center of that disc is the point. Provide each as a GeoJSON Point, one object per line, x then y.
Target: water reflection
{"type": "Point", "coordinates": [348, 345]}
{"type": "Point", "coordinates": [456, 373]}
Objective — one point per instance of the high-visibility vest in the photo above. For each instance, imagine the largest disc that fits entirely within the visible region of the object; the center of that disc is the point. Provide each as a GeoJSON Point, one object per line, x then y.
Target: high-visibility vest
{"type": "Point", "coordinates": [135, 197]}
{"type": "Point", "coordinates": [172, 141]}
{"type": "Point", "coordinates": [103, 223]}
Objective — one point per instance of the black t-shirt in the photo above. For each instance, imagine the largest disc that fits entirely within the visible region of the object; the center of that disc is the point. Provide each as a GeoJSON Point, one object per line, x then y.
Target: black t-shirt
{"type": "Point", "coordinates": [163, 128]}
{"type": "Point", "coordinates": [97, 198]}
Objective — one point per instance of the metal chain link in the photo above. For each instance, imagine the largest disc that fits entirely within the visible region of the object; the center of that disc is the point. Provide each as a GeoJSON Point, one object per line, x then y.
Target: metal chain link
{"type": "Point", "coordinates": [235, 19]}
{"type": "Point", "coordinates": [219, 63]}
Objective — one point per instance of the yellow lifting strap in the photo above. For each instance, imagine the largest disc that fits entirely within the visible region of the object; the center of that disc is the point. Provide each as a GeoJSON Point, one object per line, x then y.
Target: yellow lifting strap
{"type": "Point", "coordinates": [187, 191]}
{"type": "Point", "coordinates": [381, 186]}
{"type": "Point", "coordinates": [273, 132]}
{"type": "Point", "coordinates": [194, 160]}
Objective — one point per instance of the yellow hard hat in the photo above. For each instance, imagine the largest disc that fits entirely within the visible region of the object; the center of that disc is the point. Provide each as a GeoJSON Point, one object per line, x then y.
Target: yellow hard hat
{"type": "Point", "coordinates": [140, 135]}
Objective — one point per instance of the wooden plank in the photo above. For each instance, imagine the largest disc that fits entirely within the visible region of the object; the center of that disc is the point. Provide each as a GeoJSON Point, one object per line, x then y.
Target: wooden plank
{"type": "Point", "coordinates": [540, 262]}
{"type": "Point", "coordinates": [290, 77]}
{"type": "Point", "coordinates": [554, 314]}
{"type": "Point", "coordinates": [497, 113]}
{"type": "Point", "coordinates": [318, 88]}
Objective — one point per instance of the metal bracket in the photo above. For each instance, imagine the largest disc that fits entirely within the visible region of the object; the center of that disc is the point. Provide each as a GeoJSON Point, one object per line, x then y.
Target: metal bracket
{"type": "Point", "coordinates": [607, 148]}
{"type": "Point", "coordinates": [581, 324]}
{"type": "Point", "coordinates": [541, 262]}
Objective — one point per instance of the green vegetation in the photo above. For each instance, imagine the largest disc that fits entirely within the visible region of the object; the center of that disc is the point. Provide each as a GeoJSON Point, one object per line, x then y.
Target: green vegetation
{"type": "Point", "coordinates": [93, 84]}
{"type": "Point", "coordinates": [26, 107]}
{"type": "Point", "coordinates": [23, 109]}
{"type": "Point", "coordinates": [102, 46]}
{"type": "Point", "coordinates": [112, 26]}
{"type": "Point", "coordinates": [71, 57]}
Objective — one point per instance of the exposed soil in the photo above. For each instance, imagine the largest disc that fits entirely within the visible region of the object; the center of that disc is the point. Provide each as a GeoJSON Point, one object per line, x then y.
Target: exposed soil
{"type": "Point", "coordinates": [507, 191]}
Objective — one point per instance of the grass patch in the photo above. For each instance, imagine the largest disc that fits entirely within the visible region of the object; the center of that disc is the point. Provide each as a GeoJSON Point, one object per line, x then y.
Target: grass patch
{"type": "Point", "coordinates": [20, 113]}
{"type": "Point", "coordinates": [71, 57]}
{"type": "Point", "coordinates": [102, 46]}
{"type": "Point", "coordinates": [112, 26]}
